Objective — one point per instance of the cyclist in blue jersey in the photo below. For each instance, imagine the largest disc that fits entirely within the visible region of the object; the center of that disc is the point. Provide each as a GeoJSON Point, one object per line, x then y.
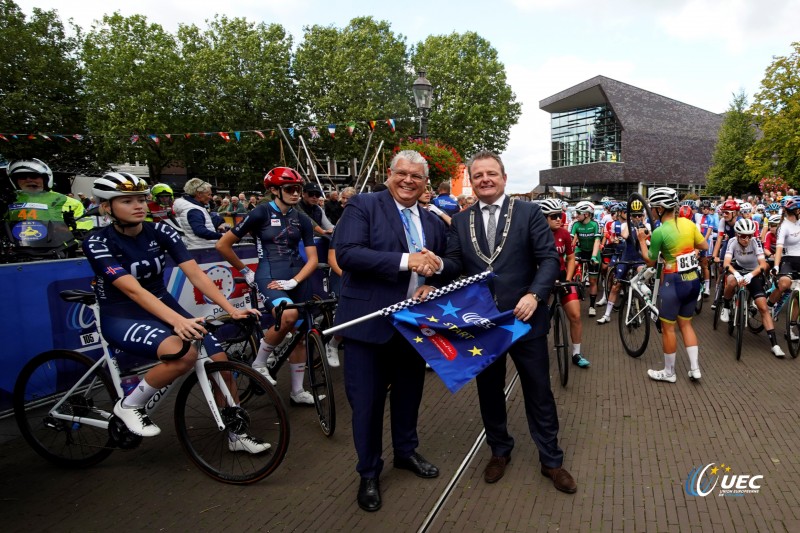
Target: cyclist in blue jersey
{"type": "Point", "coordinates": [280, 229]}
{"type": "Point", "coordinates": [706, 220]}
{"type": "Point", "coordinates": [138, 314]}
{"type": "Point", "coordinates": [630, 252]}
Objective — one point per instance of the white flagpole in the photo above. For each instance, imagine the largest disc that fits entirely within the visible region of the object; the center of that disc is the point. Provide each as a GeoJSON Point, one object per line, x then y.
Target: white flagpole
{"type": "Point", "coordinates": [386, 311]}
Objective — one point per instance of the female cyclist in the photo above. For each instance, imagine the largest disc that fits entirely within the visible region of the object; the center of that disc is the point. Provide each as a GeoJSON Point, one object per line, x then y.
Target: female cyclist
{"type": "Point", "coordinates": [566, 254]}
{"type": "Point", "coordinates": [787, 250]}
{"type": "Point", "coordinates": [745, 253]}
{"type": "Point", "coordinates": [138, 314]}
{"type": "Point", "coordinates": [586, 237]}
{"type": "Point", "coordinates": [676, 239]}
{"type": "Point", "coordinates": [279, 229]}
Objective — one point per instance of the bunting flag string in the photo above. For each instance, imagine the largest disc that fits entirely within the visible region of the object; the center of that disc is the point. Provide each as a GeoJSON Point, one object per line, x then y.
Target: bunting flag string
{"type": "Point", "coordinates": [314, 131]}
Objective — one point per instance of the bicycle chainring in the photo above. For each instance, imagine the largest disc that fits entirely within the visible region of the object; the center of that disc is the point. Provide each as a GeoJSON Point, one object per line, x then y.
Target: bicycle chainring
{"type": "Point", "coordinates": [121, 435]}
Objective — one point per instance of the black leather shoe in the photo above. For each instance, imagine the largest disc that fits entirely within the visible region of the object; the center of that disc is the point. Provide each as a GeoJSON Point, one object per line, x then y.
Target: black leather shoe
{"type": "Point", "coordinates": [417, 464]}
{"type": "Point", "coordinates": [369, 494]}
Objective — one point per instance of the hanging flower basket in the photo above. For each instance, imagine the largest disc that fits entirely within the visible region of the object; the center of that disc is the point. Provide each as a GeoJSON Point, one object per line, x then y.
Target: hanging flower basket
{"type": "Point", "coordinates": [443, 160]}
{"type": "Point", "coordinates": [773, 185]}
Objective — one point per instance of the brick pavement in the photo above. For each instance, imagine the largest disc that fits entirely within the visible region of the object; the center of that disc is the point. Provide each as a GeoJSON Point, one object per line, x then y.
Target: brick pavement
{"type": "Point", "coordinates": [629, 442]}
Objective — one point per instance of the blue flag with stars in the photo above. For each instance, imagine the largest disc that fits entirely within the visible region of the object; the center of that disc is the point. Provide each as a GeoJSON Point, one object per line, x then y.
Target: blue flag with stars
{"type": "Point", "coordinates": [461, 333]}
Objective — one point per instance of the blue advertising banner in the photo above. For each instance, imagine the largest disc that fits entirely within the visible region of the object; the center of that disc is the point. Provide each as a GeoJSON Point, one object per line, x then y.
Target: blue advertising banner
{"type": "Point", "coordinates": [37, 319]}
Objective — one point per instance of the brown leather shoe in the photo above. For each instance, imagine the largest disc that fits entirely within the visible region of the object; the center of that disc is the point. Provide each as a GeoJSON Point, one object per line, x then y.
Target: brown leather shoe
{"type": "Point", "coordinates": [562, 480]}
{"type": "Point", "coordinates": [496, 468]}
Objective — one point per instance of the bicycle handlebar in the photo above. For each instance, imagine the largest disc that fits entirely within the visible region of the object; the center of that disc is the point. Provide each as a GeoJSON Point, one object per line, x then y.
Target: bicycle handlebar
{"type": "Point", "coordinates": [283, 306]}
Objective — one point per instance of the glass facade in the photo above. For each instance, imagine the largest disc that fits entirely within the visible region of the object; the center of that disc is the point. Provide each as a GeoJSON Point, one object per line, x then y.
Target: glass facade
{"type": "Point", "coordinates": [583, 136]}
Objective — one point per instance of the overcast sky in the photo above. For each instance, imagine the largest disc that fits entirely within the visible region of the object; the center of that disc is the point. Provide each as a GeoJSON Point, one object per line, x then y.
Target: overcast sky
{"type": "Point", "coordinates": [696, 51]}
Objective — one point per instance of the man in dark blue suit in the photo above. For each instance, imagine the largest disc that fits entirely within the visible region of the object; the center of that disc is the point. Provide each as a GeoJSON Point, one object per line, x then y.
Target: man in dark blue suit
{"type": "Point", "coordinates": [513, 239]}
{"type": "Point", "coordinates": [385, 246]}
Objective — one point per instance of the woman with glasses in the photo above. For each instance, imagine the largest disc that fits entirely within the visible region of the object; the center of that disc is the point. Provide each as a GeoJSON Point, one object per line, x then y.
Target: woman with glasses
{"type": "Point", "coordinates": [279, 228]}
{"type": "Point", "coordinates": [745, 254]}
{"type": "Point", "coordinates": [787, 249]}
{"type": "Point", "coordinates": [770, 238]}
{"type": "Point", "coordinates": [725, 230]}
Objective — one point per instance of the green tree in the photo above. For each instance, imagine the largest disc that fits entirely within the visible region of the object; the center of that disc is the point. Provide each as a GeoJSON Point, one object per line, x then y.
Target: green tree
{"type": "Point", "coordinates": [737, 135]}
{"type": "Point", "coordinates": [354, 74]}
{"type": "Point", "coordinates": [133, 87]}
{"type": "Point", "coordinates": [777, 109]}
{"type": "Point", "coordinates": [238, 77]}
{"type": "Point", "coordinates": [40, 88]}
{"type": "Point", "coordinates": [473, 105]}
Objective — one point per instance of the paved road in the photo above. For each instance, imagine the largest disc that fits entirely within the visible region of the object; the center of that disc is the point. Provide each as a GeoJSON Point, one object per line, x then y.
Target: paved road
{"type": "Point", "coordinates": [629, 442]}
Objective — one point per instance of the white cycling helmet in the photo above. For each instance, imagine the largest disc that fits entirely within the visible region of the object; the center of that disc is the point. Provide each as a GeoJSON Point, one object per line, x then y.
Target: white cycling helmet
{"type": "Point", "coordinates": [18, 169]}
{"type": "Point", "coordinates": [744, 226]}
{"type": "Point", "coordinates": [116, 184]}
{"type": "Point", "coordinates": [663, 197]}
{"type": "Point", "coordinates": [585, 207]}
{"type": "Point", "coordinates": [550, 206]}
{"type": "Point", "coordinates": [774, 219]}
{"type": "Point", "coordinates": [746, 207]}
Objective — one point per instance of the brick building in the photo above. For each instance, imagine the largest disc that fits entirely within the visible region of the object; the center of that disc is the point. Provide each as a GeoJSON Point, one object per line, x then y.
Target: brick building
{"type": "Point", "coordinates": [609, 139]}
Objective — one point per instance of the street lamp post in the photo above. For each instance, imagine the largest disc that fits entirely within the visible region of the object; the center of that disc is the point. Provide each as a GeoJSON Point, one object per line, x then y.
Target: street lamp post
{"type": "Point", "coordinates": [423, 93]}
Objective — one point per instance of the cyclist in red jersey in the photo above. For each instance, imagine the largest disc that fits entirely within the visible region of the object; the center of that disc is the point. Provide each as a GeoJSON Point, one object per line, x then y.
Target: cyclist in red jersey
{"type": "Point", "coordinates": [566, 255]}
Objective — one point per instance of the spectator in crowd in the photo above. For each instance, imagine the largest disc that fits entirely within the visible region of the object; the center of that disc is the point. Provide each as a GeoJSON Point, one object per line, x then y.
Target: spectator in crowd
{"type": "Point", "coordinates": [333, 208]}
{"type": "Point", "coordinates": [445, 201]}
{"type": "Point", "coordinates": [425, 202]}
{"type": "Point", "coordinates": [224, 205]}
{"type": "Point", "coordinates": [193, 216]}
{"type": "Point", "coordinates": [346, 194]}
{"type": "Point", "coordinates": [308, 205]}
{"type": "Point", "coordinates": [252, 203]}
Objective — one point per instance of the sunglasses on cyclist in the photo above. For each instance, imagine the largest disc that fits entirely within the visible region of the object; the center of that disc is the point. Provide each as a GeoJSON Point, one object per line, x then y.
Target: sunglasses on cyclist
{"type": "Point", "coordinates": [729, 212]}
{"type": "Point", "coordinates": [292, 189]}
{"type": "Point", "coordinates": [746, 237]}
{"type": "Point", "coordinates": [127, 186]}
{"type": "Point", "coordinates": [554, 216]}
{"type": "Point", "coordinates": [639, 215]}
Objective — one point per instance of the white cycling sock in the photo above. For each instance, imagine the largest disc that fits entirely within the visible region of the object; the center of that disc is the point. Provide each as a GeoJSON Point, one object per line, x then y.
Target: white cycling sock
{"type": "Point", "coordinates": [609, 307]}
{"type": "Point", "coordinates": [669, 363]}
{"type": "Point", "coordinates": [706, 284]}
{"type": "Point", "coordinates": [139, 396]}
{"type": "Point", "coordinates": [335, 341]}
{"type": "Point", "coordinates": [298, 372]}
{"type": "Point", "coordinates": [692, 352]}
{"type": "Point", "coordinates": [576, 349]}
{"type": "Point", "coordinates": [264, 351]}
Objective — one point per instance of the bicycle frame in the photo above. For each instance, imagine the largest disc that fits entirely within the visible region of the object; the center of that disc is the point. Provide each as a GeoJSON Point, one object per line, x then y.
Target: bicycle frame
{"type": "Point", "coordinates": [115, 374]}
{"type": "Point", "coordinates": [649, 300]}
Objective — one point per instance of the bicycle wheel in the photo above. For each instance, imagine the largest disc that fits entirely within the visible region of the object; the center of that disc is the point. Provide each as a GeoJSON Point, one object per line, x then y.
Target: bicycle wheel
{"type": "Point", "coordinates": [321, 383]}
{"type": "Point", "coordinates": [739, 310]}
{"type": "Point", "coordinates": [698, 305]}
{"type": "Point", "coordinates": [792, 325]}
{"type": "Point", "coordinates": [211, 449]}
{"type": "Point", "coordinates": [561, 341]}
{"type": "Point", "coordinates": [609, 281]}
{"type": "Point", "coordinates": [239, 340]}
{"type": "Point", "coordinates": [41, 384]}
{"type": "Point", "coordinates": [634, 324]}
{"type": "Point", "coordinates": [718, 288]}
{"type": "Point", "coordinates": [754, 321]}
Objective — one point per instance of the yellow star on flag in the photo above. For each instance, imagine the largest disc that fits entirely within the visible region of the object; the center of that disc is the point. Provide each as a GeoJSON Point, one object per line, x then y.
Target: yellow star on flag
{"type": "Point", "coordinates": [728, 469]}
{"type": "Point", "coordinates": [475, 351]}
{"type": "Point", "coordinates": [417, 339]}
{"type": "Point", "coordinates": [714, 471]}
{"type": "Point", "coordinates": [432, 318]}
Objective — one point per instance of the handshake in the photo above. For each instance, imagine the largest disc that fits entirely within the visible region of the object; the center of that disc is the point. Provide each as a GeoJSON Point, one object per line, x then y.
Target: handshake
{"type": "Point", "coordinates": [424, 263]}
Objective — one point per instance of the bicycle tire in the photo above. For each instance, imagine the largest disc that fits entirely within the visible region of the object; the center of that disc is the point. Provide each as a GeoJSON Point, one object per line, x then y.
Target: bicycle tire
{"type": "Point", "coordinates": [698, 305]}
{"type": "Point", "coordinates": [321, 382]}
{"type": "Point", "coordinates": [240, 344]}
{"type": "Point", "coordinates": [561, 342]}
{"type": "Point", "coordinates": [738, 316]}
{"type": "Point", "coordinates": [208, 447]}
{"type": "Point", "coordinates": [717, 303]}
{"type": "Point", "coordinates": [609, 281]}
{"type": "Point", "coordinates": [40, 385]}
{"type": "Point", "coordinates": [792, 325]}
{"type": "Point", "coordinates": [754, 321]}
{"type": "Point", "coordinates": [634, 325]}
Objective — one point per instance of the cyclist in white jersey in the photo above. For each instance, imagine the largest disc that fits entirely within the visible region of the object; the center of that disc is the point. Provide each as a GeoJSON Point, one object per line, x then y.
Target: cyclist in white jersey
{"type": "Point", "coordinates": [787, 250]}
{"type": "Point", "coordinates": [745, 254]}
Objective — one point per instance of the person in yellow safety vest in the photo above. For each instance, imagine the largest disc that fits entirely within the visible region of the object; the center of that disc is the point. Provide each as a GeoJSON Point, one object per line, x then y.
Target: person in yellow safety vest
{"type": "Point", "coordinates": [76, 206]}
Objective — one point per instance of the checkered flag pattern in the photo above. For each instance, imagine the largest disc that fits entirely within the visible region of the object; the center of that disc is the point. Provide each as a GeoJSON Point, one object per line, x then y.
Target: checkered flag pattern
{"type": "Point", "coordinates": [436, 293]}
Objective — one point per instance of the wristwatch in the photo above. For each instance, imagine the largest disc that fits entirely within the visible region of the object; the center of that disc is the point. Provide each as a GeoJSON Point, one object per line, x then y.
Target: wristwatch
{"type": "Point", "coordinates": [536, 296]}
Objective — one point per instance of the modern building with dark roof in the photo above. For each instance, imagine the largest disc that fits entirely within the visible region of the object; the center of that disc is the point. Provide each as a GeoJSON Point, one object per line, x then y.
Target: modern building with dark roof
{"type": "Point", "coordinates": [610, 139]}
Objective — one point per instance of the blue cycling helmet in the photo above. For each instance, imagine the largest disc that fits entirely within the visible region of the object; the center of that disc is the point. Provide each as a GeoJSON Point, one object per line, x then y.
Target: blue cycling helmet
{"type": "Point", "coordinates": [774, 206]}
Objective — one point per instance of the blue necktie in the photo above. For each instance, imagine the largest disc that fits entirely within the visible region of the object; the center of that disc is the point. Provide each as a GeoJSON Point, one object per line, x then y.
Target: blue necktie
{"type": "Point", "coordinates": [414, 242]}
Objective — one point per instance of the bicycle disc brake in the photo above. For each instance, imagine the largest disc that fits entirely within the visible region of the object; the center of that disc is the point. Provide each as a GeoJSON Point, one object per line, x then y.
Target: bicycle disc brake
{"type": "Point", "coordinates": [236, 419]}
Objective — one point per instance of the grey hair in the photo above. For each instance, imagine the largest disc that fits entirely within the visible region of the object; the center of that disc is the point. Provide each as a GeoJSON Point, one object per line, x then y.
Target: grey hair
{"type": "Point", "coordinates": [485, 154]}
{"type": "Point", "coordinates": [194, 185]}
{"type": "Point", "coordinates": [349, 191]}
{"type": "Point", "coordinates": [412, 156]}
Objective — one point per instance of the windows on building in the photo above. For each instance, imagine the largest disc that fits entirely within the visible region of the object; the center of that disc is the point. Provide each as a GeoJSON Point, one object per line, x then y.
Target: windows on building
{"type": "Point", "coordinates": [586, 135]}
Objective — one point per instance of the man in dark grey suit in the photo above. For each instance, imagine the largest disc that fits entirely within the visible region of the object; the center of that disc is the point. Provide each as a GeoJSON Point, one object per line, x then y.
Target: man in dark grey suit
{"type": "Point", "coordinates": [385, 245]}
{"type": "Point", "coordinates": [513, 239]}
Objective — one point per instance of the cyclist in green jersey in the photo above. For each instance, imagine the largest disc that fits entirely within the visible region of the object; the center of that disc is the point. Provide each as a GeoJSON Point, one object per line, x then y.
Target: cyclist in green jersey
{"type": "Point", "coordinates": [586, 237]}
{"type": "Point", "coordinates": [676, 240]}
